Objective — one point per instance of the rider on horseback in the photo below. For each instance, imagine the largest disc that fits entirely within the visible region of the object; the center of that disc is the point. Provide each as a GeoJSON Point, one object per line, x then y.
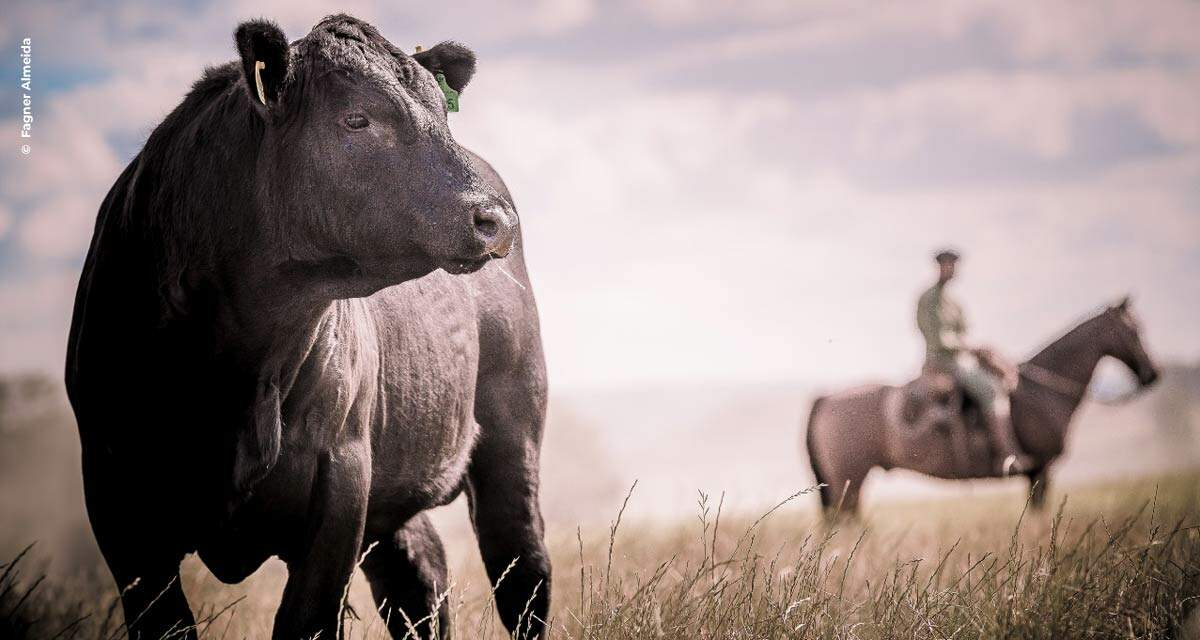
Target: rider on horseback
{"type": "Point", "coordinates": [941, 321]}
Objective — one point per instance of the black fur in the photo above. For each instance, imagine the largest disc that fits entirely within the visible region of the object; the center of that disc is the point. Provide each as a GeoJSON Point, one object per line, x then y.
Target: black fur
{"type": "Point", "coordinates": [249, 382]}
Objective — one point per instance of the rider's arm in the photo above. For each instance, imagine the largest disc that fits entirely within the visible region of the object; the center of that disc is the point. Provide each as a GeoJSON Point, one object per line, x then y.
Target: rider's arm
{"type": "Point", "coordinates": [952, 340]}
{"type": "Point", "coordinates": [938, 336]}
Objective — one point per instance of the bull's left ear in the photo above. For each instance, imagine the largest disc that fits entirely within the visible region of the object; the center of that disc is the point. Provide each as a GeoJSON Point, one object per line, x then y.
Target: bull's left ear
{"type": "Point", "coordinates": [1123, 305]}
{"type": "Point", "coordinates": [451, 59]}
{"type": "Point", "coordinates": [266, 61]}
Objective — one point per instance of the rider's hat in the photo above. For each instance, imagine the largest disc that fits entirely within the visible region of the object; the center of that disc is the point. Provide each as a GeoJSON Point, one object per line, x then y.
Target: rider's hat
{"type": "Point", "coordinates": [946, 255]}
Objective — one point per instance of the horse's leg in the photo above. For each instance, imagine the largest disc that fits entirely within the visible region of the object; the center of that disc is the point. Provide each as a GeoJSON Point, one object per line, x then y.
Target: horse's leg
{"type": "Point", "coordinates": [845, 481]}
{"type": "Point", "coordinates": [319, 577]}
{"type": "Point", "coordinates": [407, 573]}
{"type": "Point", "coordinates": [503, 491]}
{"type": "Point", "coordinates": [143, 557]}
{"type": "Point", "coordinates": [847, 504]}
{"type": "Point", "coordinates": [1039, 480]}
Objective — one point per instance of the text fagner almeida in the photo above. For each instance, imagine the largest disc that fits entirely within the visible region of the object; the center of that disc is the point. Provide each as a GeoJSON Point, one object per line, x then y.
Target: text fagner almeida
{"type": "Point", "coordinates": [26, 100]}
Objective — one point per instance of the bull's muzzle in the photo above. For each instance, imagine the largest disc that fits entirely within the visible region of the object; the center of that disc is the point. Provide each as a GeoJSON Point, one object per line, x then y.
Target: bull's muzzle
{"type": "Point", "coordinates": [495, 227]}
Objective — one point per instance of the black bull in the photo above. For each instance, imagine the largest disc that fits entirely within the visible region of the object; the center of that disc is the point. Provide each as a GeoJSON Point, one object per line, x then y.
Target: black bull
{"type": "Point", "coordinates": [269, 354]}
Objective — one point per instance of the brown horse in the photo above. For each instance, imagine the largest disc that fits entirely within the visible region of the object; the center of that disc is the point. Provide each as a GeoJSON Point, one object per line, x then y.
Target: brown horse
{"type": "Point", "coordinates": [926, 426]}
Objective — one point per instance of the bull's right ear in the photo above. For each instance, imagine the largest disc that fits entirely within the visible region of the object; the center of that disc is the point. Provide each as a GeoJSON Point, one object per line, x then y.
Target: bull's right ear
{"type": "Point", "coordinates": [266, 61]}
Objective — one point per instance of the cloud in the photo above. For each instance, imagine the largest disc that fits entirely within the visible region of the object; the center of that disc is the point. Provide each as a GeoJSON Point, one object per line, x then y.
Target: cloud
{"type": "Point", "coordinates": [6, 220]}
{"type": "Point", "coordinates": [58, 188]}
{"type": "Point", "coordinates": [35, 314]}
{"type": "Point", "coordinates": [59, 227]}
{"type": "Point", "coordinates": [688, 219]}
{"type": "Point", "coordinates": [1071, 33]}
{"type": "Point", "coordinates": [706, 235]}
{"type": "Point", "coordinates": [1037, 109]}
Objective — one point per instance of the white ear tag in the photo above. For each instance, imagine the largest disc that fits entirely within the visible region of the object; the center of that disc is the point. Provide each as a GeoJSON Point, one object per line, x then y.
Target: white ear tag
{"type": "Point", "coordinates": [259, 65]}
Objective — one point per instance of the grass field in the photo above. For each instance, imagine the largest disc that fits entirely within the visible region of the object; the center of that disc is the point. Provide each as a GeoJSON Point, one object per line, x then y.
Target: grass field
{"type": "Point", "coordinates": [1109, 561]}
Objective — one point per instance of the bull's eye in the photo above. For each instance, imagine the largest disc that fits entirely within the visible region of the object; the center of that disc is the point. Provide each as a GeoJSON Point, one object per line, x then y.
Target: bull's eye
{"type": "Point", "coordinates": [356, 121]}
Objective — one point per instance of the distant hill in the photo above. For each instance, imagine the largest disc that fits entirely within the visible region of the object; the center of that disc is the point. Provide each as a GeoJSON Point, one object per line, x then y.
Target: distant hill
{"type": "Point", "coordinates": [748, 441]}
{"type": "Point", "coordinates": [744, 440]}
{"type": "Point", "coordinates": [26, 398]}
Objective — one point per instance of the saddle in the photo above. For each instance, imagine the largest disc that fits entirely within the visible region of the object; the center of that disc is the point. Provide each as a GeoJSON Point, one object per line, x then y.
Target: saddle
{"type": "Point", "coordinates": [934, 400]}
{"type": "Point", "coordinates": [937, 429]}
{"type": "Point", "coordinates": [935, 390]}
{"type": "Point", "coordinates": [939, 421]}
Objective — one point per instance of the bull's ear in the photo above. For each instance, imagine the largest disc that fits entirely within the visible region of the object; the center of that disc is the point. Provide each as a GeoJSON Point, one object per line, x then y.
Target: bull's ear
{"type": "Point", "coordinates": [266, 61]}
{"type": "Point", "coordinates": [451, 59]}
{"type": "Point", "coordinates": [1123, 305]}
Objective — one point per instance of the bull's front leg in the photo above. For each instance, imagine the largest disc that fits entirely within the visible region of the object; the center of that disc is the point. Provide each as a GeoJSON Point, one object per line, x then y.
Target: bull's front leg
{"type": "Point", "coordinates": [503, 491]}
{"type": "Point", "coordinates": [318, 580]}
{"type": "Point", "coordinates": [137, 525]}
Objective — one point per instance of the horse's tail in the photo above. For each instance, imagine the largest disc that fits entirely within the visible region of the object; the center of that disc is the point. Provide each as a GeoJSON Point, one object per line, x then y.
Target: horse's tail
{"type": "Point", "coordinates": [822, 480]}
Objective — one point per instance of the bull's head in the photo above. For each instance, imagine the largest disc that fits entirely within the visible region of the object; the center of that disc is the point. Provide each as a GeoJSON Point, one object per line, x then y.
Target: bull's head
{"type": "Point", "coordinates": [357, 173]}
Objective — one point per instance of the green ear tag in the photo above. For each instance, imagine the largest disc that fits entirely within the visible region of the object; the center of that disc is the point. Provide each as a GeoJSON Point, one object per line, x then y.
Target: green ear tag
{"type": "Point", "coordinates": [451, 94]}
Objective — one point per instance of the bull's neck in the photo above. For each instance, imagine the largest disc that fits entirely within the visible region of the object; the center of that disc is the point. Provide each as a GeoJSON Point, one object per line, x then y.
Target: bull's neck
{"type": "Point", "coordinates": [240, 313]}
{"type": "Point", "coordinates": [274, 324]}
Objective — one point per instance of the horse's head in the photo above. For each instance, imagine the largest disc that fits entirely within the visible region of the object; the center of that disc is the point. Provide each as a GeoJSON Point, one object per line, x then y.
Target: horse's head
{"type": "Point", "coordinates": [1123, 341]}
{"type": "Point", "coordinates": [358, 172]}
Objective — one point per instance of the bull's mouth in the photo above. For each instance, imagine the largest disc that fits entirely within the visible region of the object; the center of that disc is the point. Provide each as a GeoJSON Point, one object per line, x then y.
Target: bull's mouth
{"type": "Point", "coordinates": [458, 266]}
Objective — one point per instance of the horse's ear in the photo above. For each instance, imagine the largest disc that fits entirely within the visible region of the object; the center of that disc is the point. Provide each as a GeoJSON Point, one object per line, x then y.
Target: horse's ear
{"type": "Point", "coordinates": [452, 59]}
{"type": "Point", "coordinates": [266, 61]}
{"type": "Point", "coordinates": [1123, 305]}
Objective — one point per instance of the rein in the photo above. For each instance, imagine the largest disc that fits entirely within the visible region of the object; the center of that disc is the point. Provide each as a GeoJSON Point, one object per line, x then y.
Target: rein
{"type": "Point", "coordinates": [1070, 388]}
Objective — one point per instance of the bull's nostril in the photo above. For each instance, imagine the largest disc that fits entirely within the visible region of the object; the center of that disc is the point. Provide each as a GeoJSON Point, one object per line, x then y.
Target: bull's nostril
{"type": "Point", "coordinates": [486, 225]}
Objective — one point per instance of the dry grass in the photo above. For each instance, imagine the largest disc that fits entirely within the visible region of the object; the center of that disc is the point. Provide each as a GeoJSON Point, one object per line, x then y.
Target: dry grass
{"type": "Point", "coordinates": [1118, 561]}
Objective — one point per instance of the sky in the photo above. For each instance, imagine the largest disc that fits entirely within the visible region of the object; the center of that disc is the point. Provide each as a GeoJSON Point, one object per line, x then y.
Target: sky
{"type": "Point", "coordinates": [710, 191]}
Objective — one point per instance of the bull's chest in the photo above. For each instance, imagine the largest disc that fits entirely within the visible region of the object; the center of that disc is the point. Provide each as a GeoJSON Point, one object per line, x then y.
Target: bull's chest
{"type": "Point", "coordinates": [396, 376]}
{"type": "Point", "coordinates": [423, 429]}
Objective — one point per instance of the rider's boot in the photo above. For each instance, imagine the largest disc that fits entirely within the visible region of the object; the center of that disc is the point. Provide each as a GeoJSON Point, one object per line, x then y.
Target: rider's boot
{"type": "Point", "coordinates": [1011, 460]}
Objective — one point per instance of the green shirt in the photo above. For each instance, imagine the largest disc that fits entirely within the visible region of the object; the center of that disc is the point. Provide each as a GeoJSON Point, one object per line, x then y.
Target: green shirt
{"type": "Point", "coordinates": [941, 321]}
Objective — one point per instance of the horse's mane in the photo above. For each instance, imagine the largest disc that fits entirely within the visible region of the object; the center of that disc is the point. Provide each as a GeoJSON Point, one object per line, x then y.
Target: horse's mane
{"type": "Point", "coordinates": [1068, 336]}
